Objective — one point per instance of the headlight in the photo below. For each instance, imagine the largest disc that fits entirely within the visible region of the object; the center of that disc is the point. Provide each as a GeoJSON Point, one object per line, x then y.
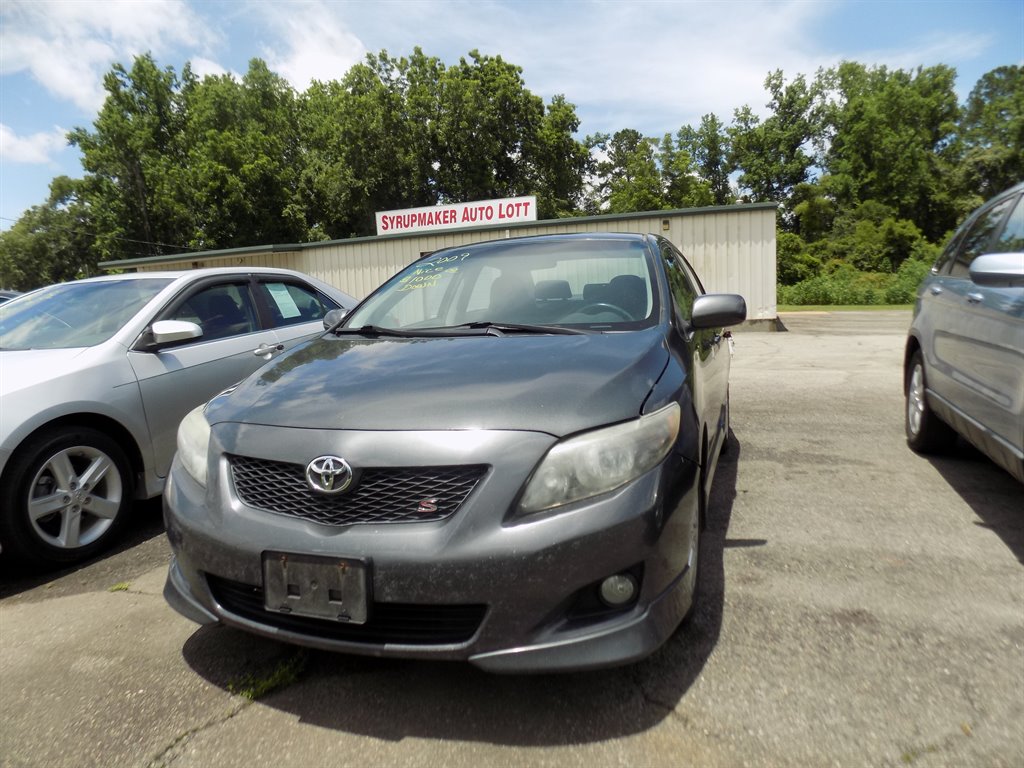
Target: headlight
{"type": "Point", "coordinates": [601, 461]}
{"type": "Point", "coordinates": [193, 443]}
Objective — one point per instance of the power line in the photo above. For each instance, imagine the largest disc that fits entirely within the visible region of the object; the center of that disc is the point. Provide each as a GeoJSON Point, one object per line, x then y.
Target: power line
{"type": "Point", "coordinates": [112, 237]}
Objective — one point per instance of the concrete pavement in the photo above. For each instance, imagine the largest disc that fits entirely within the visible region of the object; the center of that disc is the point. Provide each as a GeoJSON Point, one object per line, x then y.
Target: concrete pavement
{"type": "Point", "coordinates": [860, 605]}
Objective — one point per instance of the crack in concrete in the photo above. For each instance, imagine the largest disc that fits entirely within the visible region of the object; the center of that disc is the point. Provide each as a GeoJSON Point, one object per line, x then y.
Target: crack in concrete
{"type": "Point", "coordinates": [169, 755]}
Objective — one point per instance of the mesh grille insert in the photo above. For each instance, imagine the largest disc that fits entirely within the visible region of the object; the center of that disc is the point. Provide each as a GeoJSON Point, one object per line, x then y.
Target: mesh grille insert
{"type": "Point", "coordinates": [390, 495]}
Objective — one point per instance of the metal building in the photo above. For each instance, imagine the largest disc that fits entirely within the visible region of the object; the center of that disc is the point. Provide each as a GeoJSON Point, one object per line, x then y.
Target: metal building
{"type": "Point", "coordinates": [731, 247]}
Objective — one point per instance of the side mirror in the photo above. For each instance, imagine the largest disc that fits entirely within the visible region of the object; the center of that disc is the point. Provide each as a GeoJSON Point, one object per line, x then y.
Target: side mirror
{"type": "Point", "coordinates": [170, 331]}
{"type": "Point", "coordinates": [334, 317]}
{"type": "Point", "coordinates": [716, 310]}
{"type": "Point", "coordinates": [999, 270]}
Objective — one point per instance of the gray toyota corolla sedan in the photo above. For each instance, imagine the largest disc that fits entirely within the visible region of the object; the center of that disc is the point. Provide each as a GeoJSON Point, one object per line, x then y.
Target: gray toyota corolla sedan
{"type": "Point", "coordinates": [503, 455]}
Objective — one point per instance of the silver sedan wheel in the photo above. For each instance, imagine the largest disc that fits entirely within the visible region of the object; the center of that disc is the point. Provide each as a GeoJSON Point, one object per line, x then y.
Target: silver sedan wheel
{"type": "Point", "coordinates": [75, 497]}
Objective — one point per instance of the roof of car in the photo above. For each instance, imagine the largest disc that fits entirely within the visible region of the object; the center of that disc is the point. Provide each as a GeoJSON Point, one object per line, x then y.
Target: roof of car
{"type": "Point", "coordinates": [196, 273]}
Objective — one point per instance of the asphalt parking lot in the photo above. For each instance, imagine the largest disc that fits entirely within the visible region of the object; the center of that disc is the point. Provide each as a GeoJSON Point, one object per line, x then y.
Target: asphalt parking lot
{"type": "Point", "coordinates": [860, 605]}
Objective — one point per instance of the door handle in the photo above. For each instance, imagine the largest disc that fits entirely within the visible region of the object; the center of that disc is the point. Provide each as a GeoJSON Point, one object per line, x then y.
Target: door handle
{"type": "Point", "coordinates": [975, 297]}
{"type": "Point", "coordinates": [936, 290]}
{"type": "Point", "coordinates": [266, 351]}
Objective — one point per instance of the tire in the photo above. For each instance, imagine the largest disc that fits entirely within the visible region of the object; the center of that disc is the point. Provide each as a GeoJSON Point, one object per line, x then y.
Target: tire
{"type": "Point", "coordinates": [727, 436]}
{"type": "Point", "coordinates": [926, 432]}
{"type": "Point", "coordinates": [703, 497]}
{"type": "Point", "coordinates": [67, 495]}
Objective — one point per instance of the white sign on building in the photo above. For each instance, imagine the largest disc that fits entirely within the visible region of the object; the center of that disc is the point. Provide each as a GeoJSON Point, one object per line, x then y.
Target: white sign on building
{"type": "Point", "coordinates": [482, 213]}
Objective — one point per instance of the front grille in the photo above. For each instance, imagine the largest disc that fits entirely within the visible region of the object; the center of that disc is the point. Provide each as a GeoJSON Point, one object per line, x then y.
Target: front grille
{"type": "Point", "coordinates": [388, 623]}
{"type": "Point", "coordinates": [400, 495]}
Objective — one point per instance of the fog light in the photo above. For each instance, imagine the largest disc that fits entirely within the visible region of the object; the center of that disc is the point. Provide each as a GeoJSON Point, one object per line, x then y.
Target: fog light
{"type": "Point", "coordinates": [618, 589]}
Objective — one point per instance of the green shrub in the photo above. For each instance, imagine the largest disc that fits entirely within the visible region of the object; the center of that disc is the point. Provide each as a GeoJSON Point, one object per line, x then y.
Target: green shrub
{"type": "Point", "coordinates": [902, 288]}
{"type": "Point", "coordinates": [842, 284]}
{"type": "Point", "coordinates": [794, 263]}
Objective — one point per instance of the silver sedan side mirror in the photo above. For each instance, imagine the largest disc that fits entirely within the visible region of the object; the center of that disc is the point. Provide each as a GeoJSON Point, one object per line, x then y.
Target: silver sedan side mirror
{"type": "Point", "coordinates": [333, 317]}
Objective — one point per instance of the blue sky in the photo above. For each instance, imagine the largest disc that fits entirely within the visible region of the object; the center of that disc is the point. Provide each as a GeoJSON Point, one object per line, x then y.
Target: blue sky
{"type": "Point", "coordinates": [652, 65]}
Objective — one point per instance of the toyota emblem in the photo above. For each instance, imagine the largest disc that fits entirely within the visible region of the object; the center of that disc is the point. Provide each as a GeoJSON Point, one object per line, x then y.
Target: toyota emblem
{"type": "Point", "coordinates": [328, 474]}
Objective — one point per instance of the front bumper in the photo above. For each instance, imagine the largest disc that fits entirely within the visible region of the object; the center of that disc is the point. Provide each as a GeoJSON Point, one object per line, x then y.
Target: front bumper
{"type": "Point", "coordinates": [505, 595]}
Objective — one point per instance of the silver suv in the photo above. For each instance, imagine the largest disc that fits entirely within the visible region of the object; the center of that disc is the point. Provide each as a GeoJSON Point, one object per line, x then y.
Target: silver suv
{"type": "Point", "coordinates": [964, 361]}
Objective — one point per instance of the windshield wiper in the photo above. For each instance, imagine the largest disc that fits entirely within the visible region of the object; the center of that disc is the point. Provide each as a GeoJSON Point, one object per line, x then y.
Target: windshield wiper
{"type": "Point", "coordinates": [377, 330]}
{"type": "Point", "coordinates": [483, 328]}
{"type": "Point", "coordinates": [501, 329]}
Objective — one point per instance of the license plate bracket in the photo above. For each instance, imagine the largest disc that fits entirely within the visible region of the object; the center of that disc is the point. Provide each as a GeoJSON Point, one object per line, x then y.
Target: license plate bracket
{"type": "Point", "coordinates": [332, 588]}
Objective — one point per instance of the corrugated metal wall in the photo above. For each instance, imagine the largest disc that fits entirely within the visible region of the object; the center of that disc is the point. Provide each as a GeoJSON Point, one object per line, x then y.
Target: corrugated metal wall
{"type": "Point", "coordinates": [732, 248]}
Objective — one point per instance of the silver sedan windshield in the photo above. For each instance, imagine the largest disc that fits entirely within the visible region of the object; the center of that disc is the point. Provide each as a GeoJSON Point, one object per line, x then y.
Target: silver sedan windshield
{"type": "Point", "coordinates": [74, 314]}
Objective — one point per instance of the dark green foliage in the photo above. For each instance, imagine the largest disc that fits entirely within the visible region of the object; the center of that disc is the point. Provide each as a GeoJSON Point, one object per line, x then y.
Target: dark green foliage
{"type": "Point", "coordinates": [871, 167]}
{"type": "Point", "coordinates": [795, 263]}
{"type": "Point", "coordinates": [840, 283]}
{"type": "Point", "coordinates": [776, 154]}
{"type": "Point", "coordinates": [50, 243]}
{"type": "Point", "coordinates": [892, 140]}
{"type": "Point", "coordinates": [992, 132]}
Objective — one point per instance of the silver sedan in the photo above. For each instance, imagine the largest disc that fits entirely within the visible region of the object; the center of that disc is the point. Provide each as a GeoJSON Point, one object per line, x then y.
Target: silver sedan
{"type": "Point", "coordinates": [96, 374]}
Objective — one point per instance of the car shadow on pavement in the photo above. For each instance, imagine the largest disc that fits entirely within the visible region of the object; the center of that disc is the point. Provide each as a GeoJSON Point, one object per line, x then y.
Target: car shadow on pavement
{"type": "Point", "coordinates": [146, 523]}
{"type": "Point", "coordinates": [396, 699]}
{"type": "Point", "coordinates": [993, 494]}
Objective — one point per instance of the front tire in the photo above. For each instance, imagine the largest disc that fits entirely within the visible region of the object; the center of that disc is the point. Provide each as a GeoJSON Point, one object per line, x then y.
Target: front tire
{"type": "Point", "coordinates": [926, 432]}
{"type": "Point", "coordinates": [692, 578]}
{"type": "Point", "coordinates": [66, 497]}
{"type": "Point", "coordinates": [727, 434]}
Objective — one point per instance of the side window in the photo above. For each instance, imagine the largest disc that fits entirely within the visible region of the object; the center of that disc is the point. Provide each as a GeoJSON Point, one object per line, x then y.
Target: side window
{"type": "Point", "coordinates": [691, 275]}
{"type": "Point", "coordinates": [220, 310]}
{"type": "Point", "coordinates": [291, 303]}
{"type": "Point", "coordinates": [1012, 239]}
{"type": "Point", "coordinates": [680, 284]}
{"type": "Point", "coordinates": [946, 257]}
{"type": "Point", "coordinates": [978, 238]}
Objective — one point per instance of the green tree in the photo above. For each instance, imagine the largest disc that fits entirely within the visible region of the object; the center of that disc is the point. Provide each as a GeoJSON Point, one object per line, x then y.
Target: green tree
{"type": "Point", "coordinates": [813, 209]}
{"type": "Point", "coordinates": [628, 176]}
{"type": "Point", "coordinates": [708, 145]}
{"type": "Point", "coordinates": [484, 137]}
{"type": "Point", "coordinates": [992, 134]}
{"type": "Point", "coordinates": [891, 141]}
{"type": "Point", "coordinates": [561, 162]}
{"type": "Point", "coordinates": [243, 161]}
{"type": "Point", "coordinates": [777, 154]}
{"type": "Point", "coordinates": [681, 183]}
{"type": "Point", "coordinates": [368, 144]}
{"type": "Point", "coordinates": [50, 243]}
{"type": "Point", "coordinates": [131, 158]}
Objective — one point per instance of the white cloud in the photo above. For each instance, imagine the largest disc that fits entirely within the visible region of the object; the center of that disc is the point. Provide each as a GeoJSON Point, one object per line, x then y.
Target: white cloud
{"type": "Point", "coordinates": [311, 41]}
{"type": "Point", "coordinates": [656, 66]}
{"type": "Point", "coordinates": [647, 64]}
{"type": "Point", "coordinates": [68, 46]}
{"type": "Point", "coordinates": [37, 148]}
{"type": "Point", "coordinates": [202, 67]}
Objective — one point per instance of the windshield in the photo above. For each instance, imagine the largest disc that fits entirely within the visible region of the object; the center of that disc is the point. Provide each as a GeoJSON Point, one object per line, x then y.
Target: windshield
{"type": "Point", "coordinates": [588, 284]}
{"type": "Point", "coordinates": [74, 314]}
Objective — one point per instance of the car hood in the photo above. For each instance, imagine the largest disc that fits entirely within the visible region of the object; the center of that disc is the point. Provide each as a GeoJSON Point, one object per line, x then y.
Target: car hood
{"type": "Point", "coordinates": [554, 384]}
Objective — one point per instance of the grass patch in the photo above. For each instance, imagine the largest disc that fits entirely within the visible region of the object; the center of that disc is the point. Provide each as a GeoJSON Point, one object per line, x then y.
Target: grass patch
{"type": "Point", "coordinates": [121, 586]}
{"type": "Point", "coordinates": [283, 673]}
